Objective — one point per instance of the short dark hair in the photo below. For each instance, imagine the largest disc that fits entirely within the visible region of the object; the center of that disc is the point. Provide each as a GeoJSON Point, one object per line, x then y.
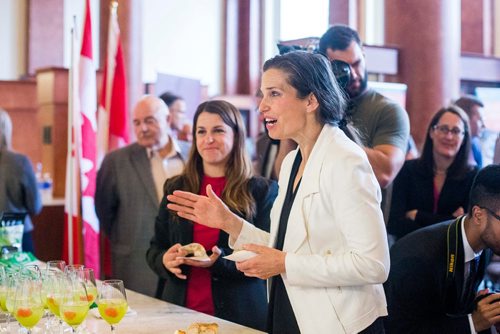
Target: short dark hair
{"type": "Point", "coordinates": [311, 73]}
{"type": "Point", "coordinates": [485, 190]}
{"type": "Point", "coordinates": [460, 165]}
{"type": "Point", "coordinates": [338, 37]}
{"type": "Point", "coordinates": [466, 102]}
{"type": "Point", "coordinates": [170, 98]}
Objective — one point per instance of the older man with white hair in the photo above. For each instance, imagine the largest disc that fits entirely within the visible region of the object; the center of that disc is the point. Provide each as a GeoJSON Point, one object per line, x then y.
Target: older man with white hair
{"type": "Point", "coordinates": [130, 187]}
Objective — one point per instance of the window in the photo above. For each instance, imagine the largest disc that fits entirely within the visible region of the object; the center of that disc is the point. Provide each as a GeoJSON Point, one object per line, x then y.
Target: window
{"type": "Point", "coordinates": [300, 19]}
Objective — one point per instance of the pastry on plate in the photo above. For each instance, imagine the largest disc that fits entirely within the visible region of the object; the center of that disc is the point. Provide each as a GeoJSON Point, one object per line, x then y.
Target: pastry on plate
{"type": "Point", "coordinates": [203, 328]}
{"type": "Point", "coordinates": [195, 249]}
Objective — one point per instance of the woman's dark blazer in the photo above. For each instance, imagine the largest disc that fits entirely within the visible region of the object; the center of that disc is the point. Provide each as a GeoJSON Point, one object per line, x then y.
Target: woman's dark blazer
{"type": "Point", "coordinates": [236, 297]}
{"type": "Point", "coordinates": [414, 189]}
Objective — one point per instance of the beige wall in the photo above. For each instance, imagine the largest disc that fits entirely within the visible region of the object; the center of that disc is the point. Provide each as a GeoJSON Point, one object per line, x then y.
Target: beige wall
{"type": "Point", "coordinates": [183, 38]}
{"type": "Point", "coordinates": [373, 13]}
{"type": "Point", "coordinates": [12, 39]}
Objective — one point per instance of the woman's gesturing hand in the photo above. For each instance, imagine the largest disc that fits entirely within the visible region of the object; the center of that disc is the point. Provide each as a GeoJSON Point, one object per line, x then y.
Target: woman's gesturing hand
{"type": "Point", "coordinates": [206, 210]}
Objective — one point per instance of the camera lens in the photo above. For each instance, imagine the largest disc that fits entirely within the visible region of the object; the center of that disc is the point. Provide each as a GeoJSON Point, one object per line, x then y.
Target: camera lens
{"type": "Point", "coordinates": [342, 72]}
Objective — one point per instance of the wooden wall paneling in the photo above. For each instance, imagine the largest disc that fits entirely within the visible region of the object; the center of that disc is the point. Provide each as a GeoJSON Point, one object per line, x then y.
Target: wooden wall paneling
{"type": "Point", "coordinates": [19, 99]}
{"type": "Point", "coordinates": [52, 90]}
{"type": "Point", "coordinates": [45, 34]}
{"type": "Point", "coordinates": [48, 234]}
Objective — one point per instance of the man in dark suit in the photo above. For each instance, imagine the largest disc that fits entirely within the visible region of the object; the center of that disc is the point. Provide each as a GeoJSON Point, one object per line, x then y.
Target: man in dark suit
{"type": "Point", "coordinates": [129, 189]}
{"type": "Point", "coordinates": [435, 271]}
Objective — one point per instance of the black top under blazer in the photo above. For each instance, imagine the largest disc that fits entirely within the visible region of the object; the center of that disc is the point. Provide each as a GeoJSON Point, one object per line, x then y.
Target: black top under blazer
{"type": "Point", "coordinates": [419, 299]}
{"type": "Point", "coordinates": [237, 298]}
{"type": "Point", "coordinates": [414, 189]}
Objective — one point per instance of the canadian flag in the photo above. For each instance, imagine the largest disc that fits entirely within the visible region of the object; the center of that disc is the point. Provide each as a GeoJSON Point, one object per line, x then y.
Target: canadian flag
{"type": "Point", "coordinates": [83, 160]}
{"type": "Point", "coordinates": [113, 114]}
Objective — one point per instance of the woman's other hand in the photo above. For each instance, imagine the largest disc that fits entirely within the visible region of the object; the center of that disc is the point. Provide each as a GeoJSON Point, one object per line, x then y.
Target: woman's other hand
{"type": "Point", "coordinates": [172, 262]}
{"type": "Point", "coordinates": [268, 263]}
{"type": "Point", "coordinates": [206, 210]}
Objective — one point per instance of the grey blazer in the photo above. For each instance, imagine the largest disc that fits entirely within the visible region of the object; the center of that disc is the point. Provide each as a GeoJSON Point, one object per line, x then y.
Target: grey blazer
{"type": "Point", "coordinates": [18, 187]}
{"type": "Point", "coordinates": [126, 205]}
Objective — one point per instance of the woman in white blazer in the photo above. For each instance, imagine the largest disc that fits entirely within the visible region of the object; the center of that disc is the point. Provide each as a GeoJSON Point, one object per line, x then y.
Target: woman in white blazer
{"type": "Point", "coordinates": [326, 253]}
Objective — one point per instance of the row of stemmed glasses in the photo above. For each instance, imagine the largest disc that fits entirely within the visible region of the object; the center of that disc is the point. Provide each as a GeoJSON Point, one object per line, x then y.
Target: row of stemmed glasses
{"type": "Point", "coordinates": [76, 291]}
{"type": "Point", "coordinates": [67, 291]}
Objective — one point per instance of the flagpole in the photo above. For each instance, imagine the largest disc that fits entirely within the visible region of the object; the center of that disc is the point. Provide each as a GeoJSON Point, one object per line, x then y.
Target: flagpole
{"type": "Point", "coordinates": [110, 69]}
{"type": "Point", "coordinates": [71, 141]}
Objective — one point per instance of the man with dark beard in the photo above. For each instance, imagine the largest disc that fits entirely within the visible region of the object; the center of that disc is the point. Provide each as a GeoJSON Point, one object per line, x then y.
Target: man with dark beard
{"type": "Point", "coordinates": [436, 271]}
{"type": "Point", "coordinates": [383, 125]}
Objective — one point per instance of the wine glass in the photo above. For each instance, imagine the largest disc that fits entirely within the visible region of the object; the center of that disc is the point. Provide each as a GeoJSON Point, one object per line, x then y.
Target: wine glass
{"type": "Point", "coordinates": [32, 272]}
{"type": "Point", "coordinates": [86, 275]}
{"type": "Point", "coordinates": [56, 265]}
{"type": "Point", "coordinates": [87, 278]}
{"type": "Point", "coordinates": [13, 278]}
{"type": "Point", "coordinates": [71, 268]}
{"type": "Point", "coordinates": [50, 296]}
{"type": "Point", "coordinates": [74, 303]}
{"type": "Point", "coordinates": [112, 302]}
{"type": "Point", "coordinates": [28, 307]}
{"type": "Point", "coordinates": [53, 287]}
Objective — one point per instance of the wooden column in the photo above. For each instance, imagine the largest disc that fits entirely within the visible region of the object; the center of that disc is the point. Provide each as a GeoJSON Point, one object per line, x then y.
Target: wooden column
{"type": "Point", "coordinates": [45, 34]}
{"type": "Point", "coordinates": [18, 98]}
{"type": "Point", "coordinates": [427, 33]}
{"type": "Point", "coordinates": [242, 46]}
{"type": "Point", "coordinates": [52, 94]}
{"type": "Point", "coordinates": [477, 26]}
{"type": "Point", "coordinates": [130, 22]}
{"type": "Point", "coordinates": [345, 12]}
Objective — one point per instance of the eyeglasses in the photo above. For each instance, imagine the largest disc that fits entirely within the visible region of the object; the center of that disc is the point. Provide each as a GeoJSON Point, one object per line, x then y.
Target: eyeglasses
{"type": "Point", "coordinates": [491, 212]}
{"type": "Point", "coordinates": [444, 130]}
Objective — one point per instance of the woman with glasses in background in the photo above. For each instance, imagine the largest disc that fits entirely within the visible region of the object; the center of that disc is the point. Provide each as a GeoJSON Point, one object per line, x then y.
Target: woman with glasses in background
{"type": "Point", "coordinates": [434, 187]}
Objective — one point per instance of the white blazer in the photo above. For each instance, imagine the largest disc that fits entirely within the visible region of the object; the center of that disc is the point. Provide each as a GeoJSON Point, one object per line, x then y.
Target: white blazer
{"type": "Point", "coordinates": [336, 244]}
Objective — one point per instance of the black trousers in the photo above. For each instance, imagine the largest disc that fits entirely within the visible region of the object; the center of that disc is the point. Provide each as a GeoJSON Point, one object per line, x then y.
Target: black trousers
{"type": "Point", "coordinates": [377, 327]}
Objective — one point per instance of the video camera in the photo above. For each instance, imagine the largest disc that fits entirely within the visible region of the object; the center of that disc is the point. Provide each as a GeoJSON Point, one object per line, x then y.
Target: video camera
{"type": "Point", "coordinates": [341, 70]}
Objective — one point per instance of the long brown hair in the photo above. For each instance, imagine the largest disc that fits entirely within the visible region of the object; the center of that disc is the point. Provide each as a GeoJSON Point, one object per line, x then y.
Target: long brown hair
{"type": "Point", "coordinates": [236, 194]}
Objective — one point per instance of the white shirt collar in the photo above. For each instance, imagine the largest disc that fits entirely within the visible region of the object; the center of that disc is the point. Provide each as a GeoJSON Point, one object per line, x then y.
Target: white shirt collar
{"type": "Point", "coordinates": [171, 154]}
{"type": "Point", "coordinates": [469, 254]}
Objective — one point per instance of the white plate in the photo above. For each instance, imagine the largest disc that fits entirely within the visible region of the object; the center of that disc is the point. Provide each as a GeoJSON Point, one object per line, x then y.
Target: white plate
{"type": "Point", "coordinates": [241, 255]}
{"type": "Point", "coordinates": [195, 258]}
